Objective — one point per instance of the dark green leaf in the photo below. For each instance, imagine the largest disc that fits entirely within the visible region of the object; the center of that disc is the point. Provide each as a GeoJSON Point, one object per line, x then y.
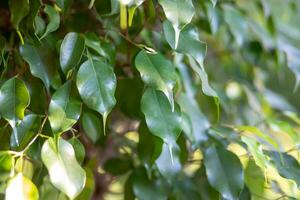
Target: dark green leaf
{"type": "Point", "coordinates": [92, 126]}
{"type": "Point", "coordinates": [54, 20]}
{"type": "Point", "coordinates": [224, 172]}
{"type": "Point", "coordinates": [71, 50]}
{"type": "Point", "coordinates": [19, 9]}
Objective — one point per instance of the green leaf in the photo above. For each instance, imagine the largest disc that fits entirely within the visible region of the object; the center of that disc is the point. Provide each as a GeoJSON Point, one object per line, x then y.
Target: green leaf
{"type": "Point", "coordinates": [65, 172]}
{"type": "Point", "coordinates": [54, 20]}
{"type": "Point", "coordinates": [199, 123]}
{"type": "Point", "coordinates": [256, 151]}
{"type": "Point", "coordinates": [92, 126]}
{"type": "Point", "coordinates": [6, 165]}
{"type": "Point", "coordinates": [237, 23]}
{"type": "Point", "coordinates": [287, 166]}
{"type": "Point", "coordinates": [118, 166]}
{"type": "Point", "coordinates": [92, 41]}
{"type": "Point", "coordinates": [157, 72]}
{"type": "Point", "coordinates": [160, 119]}
{"type": "Point", "coordinates": [224, 172]}
{"type": "Point", "coordinates": [179, 12]}
{"type": "Point", "coordinates": [132, 9]}
{"type": "Point", "coordinates": [40, 60]}
{"type": "Point", "coordinates": [21, 187]}
{"type": "Point", "coordinates": [14, 99]}
{"type": "Point", "coordinates": [18, 9]}
{"type": "Point", "coordinates": [96, 83]}
{"type": "Point", "coordinates": [254, 178]}
{"type": "Point", "coordinates": [26, 131]}
{"type": "Point", "coordinates": [39, 25]}
{"type": "Point", "coordinates": [145, 188]}
{"type": "Point", "coordinates": [64, 108]}
{"type": "Point", "coordinates": [71, 50]}
{"type": "Point", "coordinates": [78, 148]}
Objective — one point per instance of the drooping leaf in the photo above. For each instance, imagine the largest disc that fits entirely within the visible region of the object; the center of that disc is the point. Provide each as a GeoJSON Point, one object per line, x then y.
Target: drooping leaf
{"type": "Point", "coordinates": [14, 99]}
{"type": "Point", "coordinates": [92, 126]}
{"type": "Point", "coordinates": [21, 187]}
{"type": "Point", "coordinates": [199, 123]}
{"type": "Point", "coordinates": [54, 20]}
{"type": "Point", "coordinates": [132, 9]}
{"type": "Point", "coordinates": [179, 13]}
{"type": "Point", "coordinates": [71, 50]}
{"type": "Point", "coordinates": [40, 60]}
{"type": "Point", "coordinates": [64, 108]}
{"type": "Point", "coordinates": [96, 83]}
{"type": "Point", "coordinates": [25, 132]}
{"type": "Point", "coordinates": [160, 119]}
{"type": "Point", "coordinates": [19, 9]}
{"type": "Point", "coordinates": [156, 71]}
{"type": "Point", "coordinates": [65, 172]}
{"type": "Point", "coordinates": [224, 172]}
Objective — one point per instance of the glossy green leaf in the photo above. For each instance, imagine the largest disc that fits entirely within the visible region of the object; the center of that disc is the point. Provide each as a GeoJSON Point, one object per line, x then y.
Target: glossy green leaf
{"type": "Point", "coordinates": [26, 131]}
{"type": "Point", "coordinates": [65, 172]}
{"type": "Point", "coordinates": [179, 12]}
{"type": "Point", "coordinates": [160, 119]}
{"type": "Point", "coordinates": [93, 41]}
{"type": "Point", "coordinates": [96, 83]}
{"type": "Point", "coordinates": [224, 172]}
{"type": "Point", "coordinates": [64, 108]}
{"type": "Point", "coordinates": [156, 71]}
{"type": "Point", "coordinates": [92, 126]}
{"type": "Point", "coordinates": [14, 98]}
{"type": "Point", "coordinates": [71, 50]}
{"type": "Point", "coordinates": [54, 20]}
{"type": "Point", "coordinates": [19, 9]}
{"type": "Point", "coordinates": [40, 60]}
{"type": "Point", "coordinates": [20, 187]}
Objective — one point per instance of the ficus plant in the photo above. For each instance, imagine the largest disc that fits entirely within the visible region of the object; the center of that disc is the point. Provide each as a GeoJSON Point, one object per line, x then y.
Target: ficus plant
{"type": "Point", "coordinates": [149, 99]}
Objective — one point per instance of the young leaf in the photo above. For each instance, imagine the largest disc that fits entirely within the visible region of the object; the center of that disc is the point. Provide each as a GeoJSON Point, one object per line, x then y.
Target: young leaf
{"type": "Point", "coordinates": [64, 108]}
{"type": "Point", "coordinates": [157, 72]}
{"type": "Point", "coordinates": [96, 83]}
{"type": "Point", "coordinates": [71, 50]}
{"type": "Point", "coordinates": [224, 172]}
{"type": "Point", "coordinates": [21, 187]}
{"type": "Point", "coordinates": [54, 20]}
{"type": "Point", "coordinates": [160, 119]}
{"type": "Point", "coordinates": [14, 99]}
{"type": "Point", "coordinates": [25, 132]}
{"type": "Point", "coordinates": [65, 172]}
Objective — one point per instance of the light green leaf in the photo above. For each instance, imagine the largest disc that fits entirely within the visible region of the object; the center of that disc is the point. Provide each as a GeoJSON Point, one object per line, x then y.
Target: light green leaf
{"type": "Point", "coordinates": [71, 50]}
{"type": "Point", "coordinates": [254, 178]}
{"type": "Point", "coordinates": [64, 108]}
{"type": "Point", "coordinates": [224, 172]}
{"type": "Point", "coordinates": [39, 25]}
{"type": "Point", "coordinates": [160, 119]}
{"type": "Point", "coordinates": [14, 99]}
{"type": "Point", "coordinates": [157, 72]}
{"type": "Point", "coordinates": [54, 20]}
{"type": "Point", "coordinates": [40, 60]}
{"type": "Point", "coordinates": [256, 151]}
{"type": "Point", "coordinates": [25, 132]}
{"type": "Point", "coordinates": [179, 12]}
{"type": "Point", "coordinates": [21, 187]}
{"type": "Point", "coordinates": [18, 9]}
{"type": "Point", "coordinates": [96, 83]}
{"type": "Point", "coordinates": [65, 172]}
{"type": "Point", "coordinates": [92, 126]}
{"type": "Point", "coordinates": [132, 9]}
{"type": "Point", "coordinates": [287, 166]}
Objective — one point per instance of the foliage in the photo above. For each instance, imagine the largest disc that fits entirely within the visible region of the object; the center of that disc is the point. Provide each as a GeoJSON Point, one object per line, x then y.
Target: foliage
{"type": "Point", "coordinates": [149, 99]}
